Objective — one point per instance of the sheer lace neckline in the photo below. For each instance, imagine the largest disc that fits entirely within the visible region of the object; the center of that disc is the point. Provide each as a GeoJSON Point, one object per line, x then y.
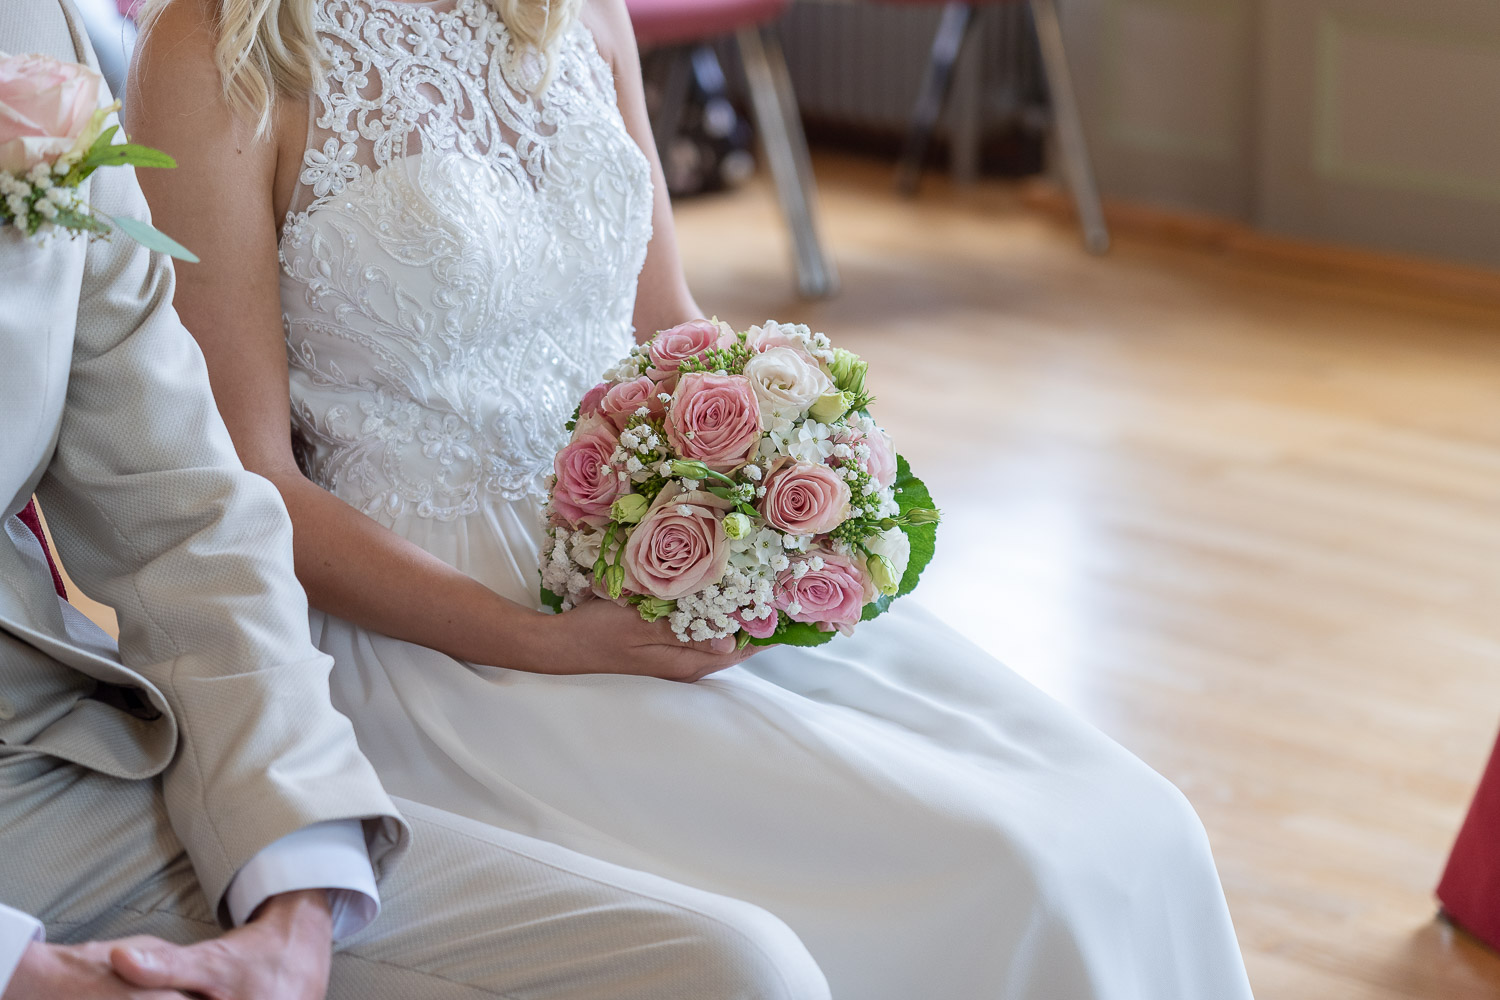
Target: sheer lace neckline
{"type": "Point", "coordinates": [459, 260]}
{"type": "Point", "coordinates": [404, 78]}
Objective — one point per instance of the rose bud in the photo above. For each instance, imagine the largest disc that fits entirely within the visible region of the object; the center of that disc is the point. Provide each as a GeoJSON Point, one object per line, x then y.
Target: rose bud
{"type": "Point", "coordinates": [737, 525]}
{"type": "Point", "coordinates": [830, 407]}
{"type": "Point", "coordinates": [629, 509]}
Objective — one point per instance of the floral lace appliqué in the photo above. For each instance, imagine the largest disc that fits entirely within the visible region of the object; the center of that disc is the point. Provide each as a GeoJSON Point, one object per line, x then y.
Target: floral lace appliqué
{"type": "Point", "coordinates": [460, 263]}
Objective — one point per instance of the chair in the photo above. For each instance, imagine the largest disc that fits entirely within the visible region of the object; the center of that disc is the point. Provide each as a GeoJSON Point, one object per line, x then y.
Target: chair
{"type": "Point", "coordinates": [681, 24]}
{"type": "Point", "coordinates": [955, 29]}
{"type": "Point", "coordinates": [1470, 889]}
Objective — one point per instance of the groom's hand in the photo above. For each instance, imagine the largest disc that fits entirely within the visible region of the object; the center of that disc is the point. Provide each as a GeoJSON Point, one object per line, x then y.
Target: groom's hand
{"type": "Point", "coordinates": [78, 972]}
{"type": "Point", "coordinates": [283, 953]}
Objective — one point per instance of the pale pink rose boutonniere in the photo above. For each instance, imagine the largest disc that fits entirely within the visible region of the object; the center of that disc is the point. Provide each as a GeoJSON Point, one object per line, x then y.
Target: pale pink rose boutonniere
{"type": "Point", "coordinates": [52, 137]}
{"type": "Point", "coordinates": [734, 483]}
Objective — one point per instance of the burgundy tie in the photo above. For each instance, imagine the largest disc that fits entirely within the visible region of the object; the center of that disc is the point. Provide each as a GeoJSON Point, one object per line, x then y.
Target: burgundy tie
{"type": "Point", "coordinates": [33, 520]}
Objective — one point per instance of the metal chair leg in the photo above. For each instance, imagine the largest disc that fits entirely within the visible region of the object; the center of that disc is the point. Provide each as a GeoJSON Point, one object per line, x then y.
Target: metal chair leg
{"type": "Point", "coordinates": [946, 44]}
{"type": "Point", "coordinates": [968, 98]}
{"type": "Point", "coordinates": [780, 127]}
{"type": "Point", "coordinates": [1071, 141]}
{"type": "Point", "coordinates": [668, 116]}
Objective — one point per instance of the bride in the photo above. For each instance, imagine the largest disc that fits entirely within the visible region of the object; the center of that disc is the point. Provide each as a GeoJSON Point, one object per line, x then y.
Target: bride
{"type": "Point", "coordinates": [427, 226]}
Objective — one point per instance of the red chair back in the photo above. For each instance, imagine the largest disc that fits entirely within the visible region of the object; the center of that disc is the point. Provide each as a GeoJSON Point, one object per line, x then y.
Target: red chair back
{"type": "Point", "coordinates": [1470, 889]}
{"type": "Point", "coordinates": [680, 22]}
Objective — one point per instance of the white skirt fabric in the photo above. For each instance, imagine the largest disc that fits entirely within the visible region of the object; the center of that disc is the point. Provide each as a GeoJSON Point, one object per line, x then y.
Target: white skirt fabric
{"type": "Point", "coordinates": [927, 822]}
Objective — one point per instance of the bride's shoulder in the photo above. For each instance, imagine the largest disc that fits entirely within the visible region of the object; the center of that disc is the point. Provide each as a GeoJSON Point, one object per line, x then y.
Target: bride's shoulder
{"type": "Point", "coordinates": [174, 98]}
{"type": "Point", "coordinates": [174, 70]}
{"type": "Point", "coordinates": [609, 22]}
{"type": "Point", "coordinates": [176, 91]}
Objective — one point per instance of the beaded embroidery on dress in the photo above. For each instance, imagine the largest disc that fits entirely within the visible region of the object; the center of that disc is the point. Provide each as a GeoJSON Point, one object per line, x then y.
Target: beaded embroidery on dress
{"type": "Point", "coordinates": [460, 261]}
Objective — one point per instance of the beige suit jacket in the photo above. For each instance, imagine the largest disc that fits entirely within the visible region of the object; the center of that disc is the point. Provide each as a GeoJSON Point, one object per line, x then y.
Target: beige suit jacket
{"type": "Point", "coordinates": [106, 414]}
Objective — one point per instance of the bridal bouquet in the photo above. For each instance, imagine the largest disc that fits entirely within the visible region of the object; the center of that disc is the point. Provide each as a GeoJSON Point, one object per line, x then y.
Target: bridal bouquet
{"type": "Point", "coordinates": [734, 482]}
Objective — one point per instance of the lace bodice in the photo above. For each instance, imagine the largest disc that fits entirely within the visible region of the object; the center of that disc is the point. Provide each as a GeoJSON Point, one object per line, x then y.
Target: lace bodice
{"type": "Point", "coordinates": [460, 261]}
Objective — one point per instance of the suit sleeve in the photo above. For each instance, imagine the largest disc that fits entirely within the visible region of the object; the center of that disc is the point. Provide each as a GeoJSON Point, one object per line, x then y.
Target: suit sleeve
{"type": "Point", "coordinates": [154, 515]}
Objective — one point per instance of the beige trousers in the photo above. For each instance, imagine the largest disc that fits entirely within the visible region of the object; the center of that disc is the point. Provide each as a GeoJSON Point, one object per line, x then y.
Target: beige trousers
{"type": "Point", "coordinates": [471, 911]}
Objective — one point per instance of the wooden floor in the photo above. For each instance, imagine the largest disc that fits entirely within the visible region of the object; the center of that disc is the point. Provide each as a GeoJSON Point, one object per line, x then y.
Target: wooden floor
{"type": "Point", "coordinates": [1246, 521]}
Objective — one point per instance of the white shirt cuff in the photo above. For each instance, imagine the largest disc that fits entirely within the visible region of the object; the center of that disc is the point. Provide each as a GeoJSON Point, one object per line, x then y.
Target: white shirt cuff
{"type": "Point", "coordinates": [331, 856]}
{"type": "Point", "coordinates": [17, 931]}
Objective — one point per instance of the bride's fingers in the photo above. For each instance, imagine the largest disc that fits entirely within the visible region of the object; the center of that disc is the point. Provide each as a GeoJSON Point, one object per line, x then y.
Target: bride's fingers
{"type": "Point", "coordinates": [722, 661]}
{"type": "Point", "coordinates": [716, 648]}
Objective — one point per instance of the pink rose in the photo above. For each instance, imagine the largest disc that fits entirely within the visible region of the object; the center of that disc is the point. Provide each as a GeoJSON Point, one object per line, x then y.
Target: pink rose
{"type": "Point", "coordinates": [586, 482]}
{"type": "Point", "coordinates": [757, 628]}
{"type": "Point", "coordinates": [803, 498]}
{"type": "Point", "coordinates": [714, 419]}
{"type": "Point", "coordinates": [760, 339]}
{"type": "Point", "coordinates": [881, 465]}
{"type": "Point", "coordinates": [590, 407]}
{"type": "Point", "coordinates": [679, 547]}
{"type": "Point", "coordinates": [832, 597]}
{"type": "Point", "coordinates": [45, 105]}
{"type": "Point", "coordinates": [670, 348]}
{"type": "Point", "coordinates": [624, 398]}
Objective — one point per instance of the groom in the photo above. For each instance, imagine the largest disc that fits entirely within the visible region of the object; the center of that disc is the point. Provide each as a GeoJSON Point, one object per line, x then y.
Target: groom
{"type": "Point", "coordinates": [189, 801]}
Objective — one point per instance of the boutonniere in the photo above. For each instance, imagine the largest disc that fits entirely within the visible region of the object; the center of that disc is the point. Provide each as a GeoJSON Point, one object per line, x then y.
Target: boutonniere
{"type": "Point", "coordinates": [52, 136]}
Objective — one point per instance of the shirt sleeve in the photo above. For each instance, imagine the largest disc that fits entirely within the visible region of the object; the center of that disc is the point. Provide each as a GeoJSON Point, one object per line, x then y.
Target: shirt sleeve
{"type": "Point", "coordinates": [330, 855]}
{"type": "Point", "coordinates": [17, 931]}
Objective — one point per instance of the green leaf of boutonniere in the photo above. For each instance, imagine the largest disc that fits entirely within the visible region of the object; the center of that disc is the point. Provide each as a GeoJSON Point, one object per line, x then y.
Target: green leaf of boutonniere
{"type": "Point", "coordinates": [79, 221]}
{"type": "Point", "coordinates": [126, 152]}
{"type": "Point", "coordinates": [152, 238]}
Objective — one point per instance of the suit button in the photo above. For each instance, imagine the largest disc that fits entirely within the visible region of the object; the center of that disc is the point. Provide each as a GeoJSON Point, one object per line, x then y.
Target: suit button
{"type": "Point", "coordinates": [7, 710]}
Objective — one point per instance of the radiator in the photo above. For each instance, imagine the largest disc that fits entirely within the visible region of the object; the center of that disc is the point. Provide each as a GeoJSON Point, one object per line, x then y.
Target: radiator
{"type": "Point", "coordinates": [861, 64]}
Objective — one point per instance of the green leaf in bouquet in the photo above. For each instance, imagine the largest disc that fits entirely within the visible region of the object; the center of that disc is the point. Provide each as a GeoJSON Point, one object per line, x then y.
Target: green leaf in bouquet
{"type": "Point", "coordinates": [790, 633]}
{"type": "Point", "coordinates": [152, 238]}
{"type": "Point", "coordinates": [912, 494]}
{"type": "Point", "coordinates": [552, 601]}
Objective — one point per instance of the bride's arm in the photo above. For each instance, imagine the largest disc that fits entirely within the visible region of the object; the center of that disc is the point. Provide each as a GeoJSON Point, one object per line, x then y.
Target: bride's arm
{"type": "Point", "coordinates": [221, 201]}
{"type": "Point", "coordinates": [662, 299]}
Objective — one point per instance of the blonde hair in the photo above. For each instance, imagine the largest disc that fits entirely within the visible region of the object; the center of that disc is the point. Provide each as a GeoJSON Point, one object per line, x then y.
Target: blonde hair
{"type": "Point", "coordinates": [268, 48]}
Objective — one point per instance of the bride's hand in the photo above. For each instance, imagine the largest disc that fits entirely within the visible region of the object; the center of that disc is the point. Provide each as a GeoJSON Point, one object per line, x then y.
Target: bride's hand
{"type": "Point", "coordinates": [601, 637]}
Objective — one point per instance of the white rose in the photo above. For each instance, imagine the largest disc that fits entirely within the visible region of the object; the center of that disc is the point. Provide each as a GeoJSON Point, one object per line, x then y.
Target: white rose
{"type": "Point", "coordinates": [784, 383]}
{"type": "Point", "coordinates": [584, 547]}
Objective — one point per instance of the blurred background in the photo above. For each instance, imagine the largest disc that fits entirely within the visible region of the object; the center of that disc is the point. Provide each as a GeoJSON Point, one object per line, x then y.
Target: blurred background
{"type": "Point", "coordinates": [1189, 313]}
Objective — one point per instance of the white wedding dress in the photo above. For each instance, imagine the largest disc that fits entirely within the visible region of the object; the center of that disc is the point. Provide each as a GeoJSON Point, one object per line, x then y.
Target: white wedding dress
{"type": "Point", "coordinates": [459, 267]}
